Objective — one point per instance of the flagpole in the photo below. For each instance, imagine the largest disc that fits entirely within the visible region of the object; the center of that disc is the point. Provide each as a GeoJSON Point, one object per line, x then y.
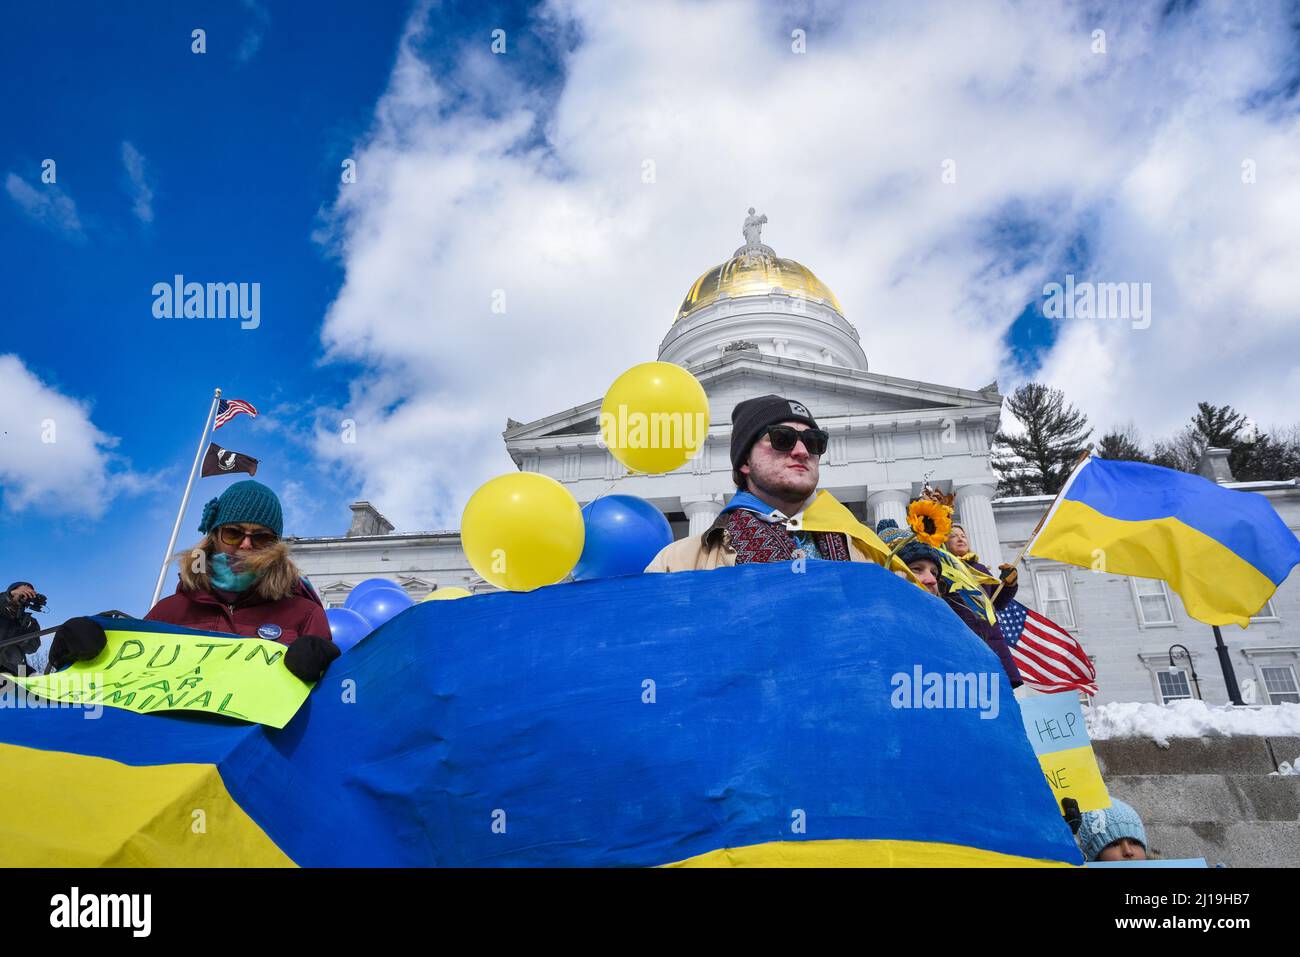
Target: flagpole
{"type": "Point", "coordinates": [1083, 457]}
{"type": "Point", "coordinates": [185, 499]}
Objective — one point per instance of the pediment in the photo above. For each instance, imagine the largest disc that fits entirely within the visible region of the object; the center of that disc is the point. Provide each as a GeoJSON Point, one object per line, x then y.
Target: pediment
{"type": "Point", "coordinates": [829, 391]}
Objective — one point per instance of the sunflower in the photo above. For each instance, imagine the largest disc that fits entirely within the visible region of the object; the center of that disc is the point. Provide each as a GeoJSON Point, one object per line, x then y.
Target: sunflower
{"type": "Point", "coordinates": [931, 521]}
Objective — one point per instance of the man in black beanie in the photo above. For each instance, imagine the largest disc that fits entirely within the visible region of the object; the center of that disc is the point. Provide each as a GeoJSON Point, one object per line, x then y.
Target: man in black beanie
{"type": "Point", "coordinates": [776, 450]}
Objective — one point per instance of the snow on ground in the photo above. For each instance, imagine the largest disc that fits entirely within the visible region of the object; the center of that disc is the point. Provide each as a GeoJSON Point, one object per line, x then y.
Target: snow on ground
{"type": "Point", "coordinates": [1189, 719]}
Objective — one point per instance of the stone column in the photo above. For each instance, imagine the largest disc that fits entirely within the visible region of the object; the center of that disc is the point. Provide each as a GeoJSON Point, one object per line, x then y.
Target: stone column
{"type": "Point", "coordinates": [888, 503]}
{"type": "Point", "coordinates": [974, 506]}
{"type": "Point", "coordinates": [701, 510]}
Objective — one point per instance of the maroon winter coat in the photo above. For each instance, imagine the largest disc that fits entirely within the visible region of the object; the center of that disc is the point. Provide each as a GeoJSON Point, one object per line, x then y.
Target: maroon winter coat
{"type": "Point", "coordinates": [252, 617]}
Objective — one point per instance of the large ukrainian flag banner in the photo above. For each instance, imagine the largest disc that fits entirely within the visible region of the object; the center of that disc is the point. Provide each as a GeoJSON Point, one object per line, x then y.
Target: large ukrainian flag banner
{"type": "Point", "coordinates": [751, 716]}
{"type": "Point", "coordinates": [1225, 552]}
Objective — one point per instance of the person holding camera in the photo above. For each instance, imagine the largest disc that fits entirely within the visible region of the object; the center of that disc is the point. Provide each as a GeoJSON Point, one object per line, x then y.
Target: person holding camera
{"type": "Point", "coordinates": [16, 620]}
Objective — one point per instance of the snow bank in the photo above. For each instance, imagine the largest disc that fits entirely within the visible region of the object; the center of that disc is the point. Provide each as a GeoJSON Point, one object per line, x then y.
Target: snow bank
{"type": "Point", "coordinates": [1188, 719]}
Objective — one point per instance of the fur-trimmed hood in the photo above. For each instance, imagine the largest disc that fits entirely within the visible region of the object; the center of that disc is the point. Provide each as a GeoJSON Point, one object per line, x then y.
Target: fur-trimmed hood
{"type": "Point", "coordinates": [278, 576]}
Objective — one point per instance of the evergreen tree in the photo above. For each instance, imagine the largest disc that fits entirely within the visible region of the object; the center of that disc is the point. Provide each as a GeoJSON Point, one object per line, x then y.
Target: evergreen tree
{"type": "Point", "coordinates": [1266, 457]}
{"type": "Point", "coordinates": [1037, 460]}
{"type": "Point", "coordinates": [1252, 456]}
{"type": "Point", "coordinates": [1218, 427]}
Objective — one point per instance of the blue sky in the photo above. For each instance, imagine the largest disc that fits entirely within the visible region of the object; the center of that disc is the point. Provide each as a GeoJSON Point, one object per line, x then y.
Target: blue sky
{"type": "Point", "coordinates": [523, 170]}
{"type": "Point", "coordinates": [240, 154]}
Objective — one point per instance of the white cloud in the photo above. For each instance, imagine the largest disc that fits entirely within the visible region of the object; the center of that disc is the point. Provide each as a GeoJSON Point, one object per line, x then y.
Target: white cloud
{"type": "Point", "coordinates": [252, 41]}
{"type": "Point", "coordinates": [46, 204]}
{"type": "Point", "coordinates": [141, 190]}
{"type": "Point", "coordinates": [475, 179]}
{"type": "Point", "coordinates": [53, 458]}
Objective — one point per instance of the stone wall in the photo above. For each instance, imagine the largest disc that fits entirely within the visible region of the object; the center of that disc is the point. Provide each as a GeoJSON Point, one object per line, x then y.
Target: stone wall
{"type": "Point", "coordinates": [1210, 797]}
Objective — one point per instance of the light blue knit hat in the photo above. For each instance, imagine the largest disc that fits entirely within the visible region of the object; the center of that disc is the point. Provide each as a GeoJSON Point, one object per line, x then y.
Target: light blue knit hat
{"type": "Point", "coordinates": [1100, 829]}
{"type": "Point", "coordinates": [888, 531]}
{"type": "Point", "coordinates": [246, 501]}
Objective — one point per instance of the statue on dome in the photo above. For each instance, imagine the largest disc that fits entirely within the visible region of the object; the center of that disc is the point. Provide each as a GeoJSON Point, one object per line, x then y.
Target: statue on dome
{"type": "Point", "coordinates": [753, 228]}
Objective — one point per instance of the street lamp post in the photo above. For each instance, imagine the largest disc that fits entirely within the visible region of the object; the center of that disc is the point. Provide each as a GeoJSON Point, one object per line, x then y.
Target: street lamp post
{"type": "Point", "coordinates": [1225, 662]}
{"type": "Point", "coordinates": [1191, 664]}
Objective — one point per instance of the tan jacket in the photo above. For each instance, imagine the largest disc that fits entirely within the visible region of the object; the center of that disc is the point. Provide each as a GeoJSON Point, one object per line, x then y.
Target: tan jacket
{"type": "Point", "coordinates": [712, 550]}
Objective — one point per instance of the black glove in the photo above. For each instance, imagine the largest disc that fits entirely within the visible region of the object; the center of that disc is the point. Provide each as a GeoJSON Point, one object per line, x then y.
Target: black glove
{"type": "Point", "coordinates": [1008, 574]}
{"type": "Point", "coordinates": [77, 639]}
{"type": "Point", "coordinates": [1070, 811]}
{"type": "Point", "coordinates": [309, 656]}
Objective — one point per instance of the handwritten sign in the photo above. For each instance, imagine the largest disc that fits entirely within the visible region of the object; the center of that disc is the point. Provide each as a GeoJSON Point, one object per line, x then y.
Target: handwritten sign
{"type": "Point", "coordinates": [147, 671]}
{"type": "Point", "coordinates": [1055, 726]}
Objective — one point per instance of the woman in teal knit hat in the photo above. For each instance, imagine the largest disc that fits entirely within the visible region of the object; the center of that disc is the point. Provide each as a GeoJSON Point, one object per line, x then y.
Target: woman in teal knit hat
{"type": "Point", "coordinates": [238, 580]}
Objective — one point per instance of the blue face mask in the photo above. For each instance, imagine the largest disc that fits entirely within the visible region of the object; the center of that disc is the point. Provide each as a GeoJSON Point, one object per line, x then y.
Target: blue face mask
{"type": "Point", "coordinates": [225, 578]}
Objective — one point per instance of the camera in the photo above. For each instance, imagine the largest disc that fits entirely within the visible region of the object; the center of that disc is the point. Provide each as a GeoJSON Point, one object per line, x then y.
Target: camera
{"type": "Point", "coordinates": [22, 603]}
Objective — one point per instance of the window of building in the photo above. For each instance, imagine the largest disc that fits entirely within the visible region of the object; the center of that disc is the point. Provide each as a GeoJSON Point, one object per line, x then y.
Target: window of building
{"type": "Point", "coordinates": [1280, 685]}
{"type": "Point", "coordinates": [1267, 613]}
{"type": "Point", "coordinates": [1152, 601]}
{"type": "Point", "coordinates": [1054, 596]}
{"type": "Point", "coordinates": [1173, 685]}
{"type": "Point", "coordinates": [1085, 699]}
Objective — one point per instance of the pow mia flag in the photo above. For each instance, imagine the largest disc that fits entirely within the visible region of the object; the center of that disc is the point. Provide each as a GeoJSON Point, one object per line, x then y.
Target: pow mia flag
{"type": "Point", "coordinates": [219, 461]}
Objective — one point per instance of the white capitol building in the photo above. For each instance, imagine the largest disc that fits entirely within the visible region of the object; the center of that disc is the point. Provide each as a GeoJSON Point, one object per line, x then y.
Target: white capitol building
{"type": "Point", "coordinates": [759, 323]}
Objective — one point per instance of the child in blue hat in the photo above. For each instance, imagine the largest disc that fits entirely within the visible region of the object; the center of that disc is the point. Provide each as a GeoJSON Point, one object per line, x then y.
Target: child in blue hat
{"type": "Point", "coordinates": [1113, 833]}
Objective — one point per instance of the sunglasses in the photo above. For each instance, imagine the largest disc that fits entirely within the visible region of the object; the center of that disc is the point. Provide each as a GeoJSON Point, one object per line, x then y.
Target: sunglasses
{"type": "Point", "coordinates": [784, 437]}
{"type": "Point", "coordinates": [234, 535]}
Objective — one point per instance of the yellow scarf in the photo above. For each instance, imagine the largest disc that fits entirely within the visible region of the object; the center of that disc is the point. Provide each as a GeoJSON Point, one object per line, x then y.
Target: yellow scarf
{"type": "Point", "coordinates": [827, 514]}
{"type": "Point", "coordinates": [967, 580]}
{"type": "Point", "coordinates": [976, 575]}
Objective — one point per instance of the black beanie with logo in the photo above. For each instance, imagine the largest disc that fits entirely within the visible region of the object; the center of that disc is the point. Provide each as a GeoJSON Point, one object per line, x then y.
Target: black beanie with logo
{"type": "Point", "coordinates": [751, 417]}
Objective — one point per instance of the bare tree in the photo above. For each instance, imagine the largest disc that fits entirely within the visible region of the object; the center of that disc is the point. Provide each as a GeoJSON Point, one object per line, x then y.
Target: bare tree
{"type": "Point", "coordinates": [1122, 443]}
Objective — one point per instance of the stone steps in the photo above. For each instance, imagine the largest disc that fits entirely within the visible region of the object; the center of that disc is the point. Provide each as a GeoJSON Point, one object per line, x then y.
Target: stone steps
{"type": "Point", "coordinates": [1228, 755]}
{"type": "Point", "coordinates": [1210, 797]}
{"type": "Point", "coordinates": [1186, 798]}
{"type": "Point", "coordinates": [1248, 844]}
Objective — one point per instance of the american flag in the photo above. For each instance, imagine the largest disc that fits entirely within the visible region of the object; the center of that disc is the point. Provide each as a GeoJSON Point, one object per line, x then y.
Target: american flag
{"type": "Point", "coordinates": [1049, 658]}
{"type": "Point", "coordinates": [227, 409]}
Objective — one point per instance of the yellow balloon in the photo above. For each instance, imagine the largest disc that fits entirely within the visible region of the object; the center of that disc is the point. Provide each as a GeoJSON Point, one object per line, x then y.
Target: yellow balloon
{"type": "Point", "coordinates": [522, 530]}
{"type": "Point", "coordinates": [655, 417]}
{"type": "Point", "coordinates": [447, 594]}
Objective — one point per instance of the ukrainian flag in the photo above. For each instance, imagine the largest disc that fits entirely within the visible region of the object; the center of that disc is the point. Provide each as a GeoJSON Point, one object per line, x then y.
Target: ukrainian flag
{"type": "Point", "coordinates": [747, 716]}
{"type": "Point", "coordinates": [1223, 551]}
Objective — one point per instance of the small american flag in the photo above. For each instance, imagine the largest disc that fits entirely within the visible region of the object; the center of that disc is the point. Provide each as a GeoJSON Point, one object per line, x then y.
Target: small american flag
{"type": "Point", "coordinates": [1049, 658]}
{"type": "Point", "coordinates": [227, 409]}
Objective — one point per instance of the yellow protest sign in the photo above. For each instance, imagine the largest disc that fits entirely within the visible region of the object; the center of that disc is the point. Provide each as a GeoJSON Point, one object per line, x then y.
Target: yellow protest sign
{"type": "Point", "coordinates": [148, 671]}
{"type": "Point", "coordinates": [1056, 729]}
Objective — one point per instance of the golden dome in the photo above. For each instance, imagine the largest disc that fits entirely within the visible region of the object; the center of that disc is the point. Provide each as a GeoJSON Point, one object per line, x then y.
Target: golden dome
{"type": "Point", "coordinates": [754, 271]}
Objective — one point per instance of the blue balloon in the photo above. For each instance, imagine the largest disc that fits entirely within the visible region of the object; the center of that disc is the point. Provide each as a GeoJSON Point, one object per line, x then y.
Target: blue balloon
{"type": "Point", "coordinates": [346, 627]}
{"type": "Point", "coordinates": [360, 590]}
{"type": "Point", "coordinates": [380, 604]}
{"type": "Point", "coordinates": [623, 534]}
